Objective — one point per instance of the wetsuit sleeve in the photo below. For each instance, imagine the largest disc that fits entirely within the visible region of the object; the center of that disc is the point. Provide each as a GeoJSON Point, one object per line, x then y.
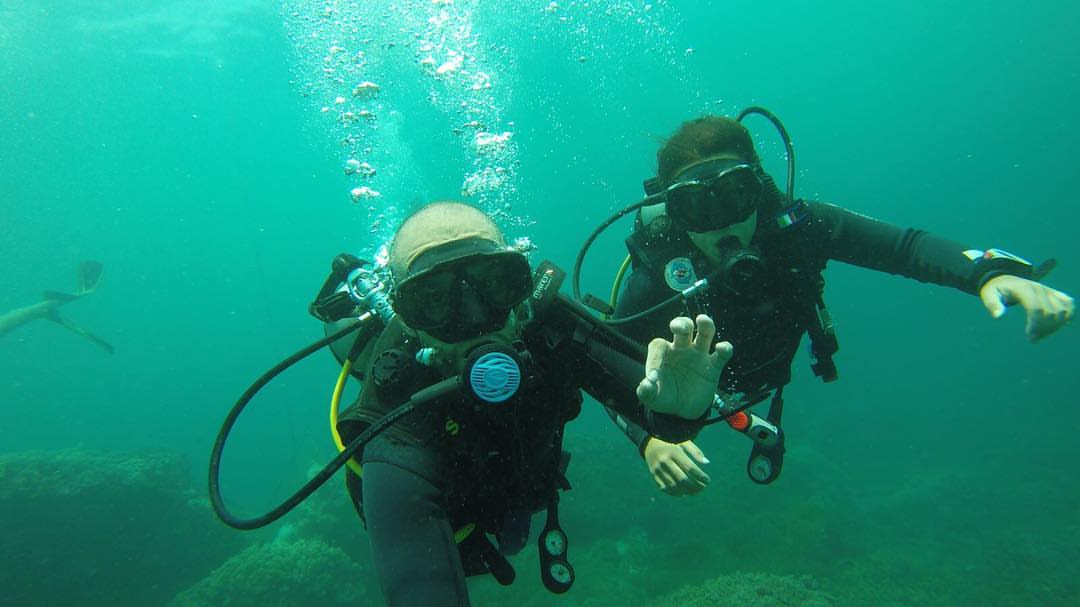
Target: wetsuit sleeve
{"type": "Point", "coordinates": [581, 350]}
{"type": "Point", "coordinates": [634, 432]}
{"type": "Point", "coordinates": [863, 241]}
{"type": "Point", "coordinates": [611, 378]}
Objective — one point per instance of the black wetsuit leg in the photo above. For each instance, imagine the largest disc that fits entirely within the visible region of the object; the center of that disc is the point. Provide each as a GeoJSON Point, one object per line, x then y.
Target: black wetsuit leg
{"type": "Point", "coordinates": [415, 556]}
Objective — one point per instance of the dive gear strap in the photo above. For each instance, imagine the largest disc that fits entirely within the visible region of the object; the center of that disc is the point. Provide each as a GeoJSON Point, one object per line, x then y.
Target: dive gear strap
{"type": "Point", "coordinates": [478, 547]}
{"type": "Point", "coordinates": [767, 455]}
{"type": "Point", "coordinates": [555, 570]}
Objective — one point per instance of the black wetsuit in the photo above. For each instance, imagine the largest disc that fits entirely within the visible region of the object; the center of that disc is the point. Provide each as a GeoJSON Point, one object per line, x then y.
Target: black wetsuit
{"type": "Point", "coordinates": [461, 463]}
{"type": "Point", "coordinates": [766, 326]}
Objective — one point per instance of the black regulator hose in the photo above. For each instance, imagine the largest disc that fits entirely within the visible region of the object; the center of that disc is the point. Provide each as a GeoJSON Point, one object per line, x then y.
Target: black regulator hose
{"type": "Point", "coordinates": [788, 147]}
{"type": "Point", "coordinates": [685, 294]}
{"type": "Point", "coordinates": [622, 320]}
{"type": "Point", "coordinates": [219, 443]}
{"type": "Point", "coordinates": [575, 279]}
{"type": "Point", "coordinates": [446, 387]}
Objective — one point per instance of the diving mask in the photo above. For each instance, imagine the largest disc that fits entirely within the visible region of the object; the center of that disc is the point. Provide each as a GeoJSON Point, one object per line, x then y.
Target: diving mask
{"type": "Point", "coordinates": [714, 195]}
{"type": "Point", "coordinates": [463, 289]}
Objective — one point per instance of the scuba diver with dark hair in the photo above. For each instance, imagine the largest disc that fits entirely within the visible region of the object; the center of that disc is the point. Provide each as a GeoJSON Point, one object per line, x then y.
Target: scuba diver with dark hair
{"type": "Point", "coordinates": [471, 364]}
{"type": "Point", "coordinates": [717, 236]}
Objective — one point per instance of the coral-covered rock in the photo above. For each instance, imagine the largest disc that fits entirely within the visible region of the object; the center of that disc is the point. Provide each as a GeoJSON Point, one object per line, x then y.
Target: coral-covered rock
{"type": "Point", "coordinates": [89, 528]}
{"type": "Point", "coordinates": [749, 590]}
{"type": "Point", "coordinates": [329, 516]}
{"type": "Point", "coordinates": [280, 574]}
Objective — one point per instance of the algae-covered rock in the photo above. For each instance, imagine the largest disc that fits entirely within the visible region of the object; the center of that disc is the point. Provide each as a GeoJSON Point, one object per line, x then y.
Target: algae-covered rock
{"type": "Point", "coordinates": [91, 528]}
{"type": "Point", "coordinates": [280, 574]}
{"type": "Point", "coordinates": [77, 473]}
{"type": "Point", "coordinates": [749, 590]}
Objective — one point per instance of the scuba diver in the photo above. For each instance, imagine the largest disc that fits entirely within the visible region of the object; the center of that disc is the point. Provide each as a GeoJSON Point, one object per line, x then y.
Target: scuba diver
{"type": "Point", "coordinates": [471, 365]}
{"type": "Point", "coordinates": [482, 467]}
{"type": "Point", "coordinates": [717, 236]}
{"type": "Point", "coordinates": [87, 276]}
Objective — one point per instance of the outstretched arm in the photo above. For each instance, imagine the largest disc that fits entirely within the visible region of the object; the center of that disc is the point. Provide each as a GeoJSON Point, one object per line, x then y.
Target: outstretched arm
{"type": "Point", "coordinates": [999, 278]}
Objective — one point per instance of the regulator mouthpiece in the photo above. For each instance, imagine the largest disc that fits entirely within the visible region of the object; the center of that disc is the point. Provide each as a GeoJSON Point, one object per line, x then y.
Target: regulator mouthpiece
{"type": "Point", "coordinates": [494, 375]}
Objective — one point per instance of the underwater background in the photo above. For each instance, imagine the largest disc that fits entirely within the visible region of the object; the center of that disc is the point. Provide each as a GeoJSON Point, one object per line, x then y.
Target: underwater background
{"type": "Point", "coordinates": [201, 151]}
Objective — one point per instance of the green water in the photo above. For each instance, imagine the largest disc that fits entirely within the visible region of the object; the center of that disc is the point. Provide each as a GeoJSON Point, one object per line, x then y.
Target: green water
{"type": "Point", "coordinates": [185, 146]}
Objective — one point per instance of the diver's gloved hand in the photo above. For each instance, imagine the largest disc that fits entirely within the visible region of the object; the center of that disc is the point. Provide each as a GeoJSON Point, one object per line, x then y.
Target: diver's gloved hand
{"type": "Point", "coordinates": [1047, 309]}
{"type": "Point", "coordinates": [674, 467]}
{"type": "Point", "coordinates": [681, 374]}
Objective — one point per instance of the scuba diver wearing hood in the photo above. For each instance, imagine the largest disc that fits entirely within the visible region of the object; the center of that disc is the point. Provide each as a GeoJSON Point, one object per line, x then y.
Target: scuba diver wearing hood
{"type": "Point", "coordinates": [713, 211]}
{"type": "Point", "coordinates": [436, 484]}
